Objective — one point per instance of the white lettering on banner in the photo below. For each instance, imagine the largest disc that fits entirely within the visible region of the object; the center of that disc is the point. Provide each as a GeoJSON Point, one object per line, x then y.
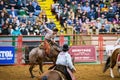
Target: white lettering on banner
{"type": "Point", "coordinates": [81, 50]}
{"type": "Point", "coordinates": [6, 55]}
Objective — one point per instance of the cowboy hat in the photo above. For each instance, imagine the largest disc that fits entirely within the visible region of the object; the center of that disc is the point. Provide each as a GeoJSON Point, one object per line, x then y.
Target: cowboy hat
{"type": "Point", "coordinates": [65, 47]}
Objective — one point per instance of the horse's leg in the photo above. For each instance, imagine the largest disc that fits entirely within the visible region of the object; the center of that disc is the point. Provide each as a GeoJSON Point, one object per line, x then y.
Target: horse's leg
{"type": "Point", "coordinates": [107, 64]}
{"type": "Point", "coordinates": [30, 70]}
{"type": "Point", "coordinates": [41, 66]}
{"type": "Point", "coordinates": [111, 73]}
{"type": "Point", "coordinates": [112, 64]}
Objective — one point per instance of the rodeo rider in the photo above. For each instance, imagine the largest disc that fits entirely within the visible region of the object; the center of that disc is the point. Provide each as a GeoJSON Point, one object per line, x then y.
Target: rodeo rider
{"type": "Point", "coordinates": [49, 39]}
{"type": "Point", "coordinates": [64, 63]}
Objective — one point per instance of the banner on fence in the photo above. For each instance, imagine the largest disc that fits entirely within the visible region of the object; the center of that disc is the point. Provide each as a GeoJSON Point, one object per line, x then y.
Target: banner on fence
{"type": "Point", "coordinates": [83, 53]}
{"type": "Point", "coordinates": [7, 55]}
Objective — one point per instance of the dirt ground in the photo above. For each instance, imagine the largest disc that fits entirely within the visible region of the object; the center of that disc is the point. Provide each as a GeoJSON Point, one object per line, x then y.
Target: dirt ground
{"type": "Point", "coordinates": [84, 72]}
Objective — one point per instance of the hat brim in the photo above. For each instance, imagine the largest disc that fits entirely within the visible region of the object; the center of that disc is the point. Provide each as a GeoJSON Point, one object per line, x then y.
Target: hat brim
{"type": "Point", "coordinates": [65, 49]}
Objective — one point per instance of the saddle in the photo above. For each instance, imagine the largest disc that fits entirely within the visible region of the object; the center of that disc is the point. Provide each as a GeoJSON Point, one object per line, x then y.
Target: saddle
{"type": "Point", "coordinates": [47, 44]}
{"type": "Point", "coordinates": [64, 70]}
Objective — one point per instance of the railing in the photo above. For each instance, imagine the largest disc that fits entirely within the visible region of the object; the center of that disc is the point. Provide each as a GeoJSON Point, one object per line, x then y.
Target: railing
{"type": "Point", "coordinates": [99, 41]}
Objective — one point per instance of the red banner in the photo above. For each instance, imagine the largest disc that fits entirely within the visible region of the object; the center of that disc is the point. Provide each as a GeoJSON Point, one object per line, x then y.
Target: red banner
{"type": "Point", "coordinates": [83, 53]}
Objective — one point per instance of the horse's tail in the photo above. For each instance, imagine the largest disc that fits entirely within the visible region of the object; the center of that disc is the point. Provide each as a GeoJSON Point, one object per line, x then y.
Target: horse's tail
{"type": "Point", "coordinates": [107, 64]}
{"type": "Point", "coordinates": [44, 78]}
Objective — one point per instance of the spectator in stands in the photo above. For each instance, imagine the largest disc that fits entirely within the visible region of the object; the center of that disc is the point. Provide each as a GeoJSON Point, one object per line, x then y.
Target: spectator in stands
{"type": "Point", "coordinates": [93, 8]}
{"type": "Point", "coordinates": [23, 29]}
{"type": "Point", "coordinates": [44, 17]}
{"type": "Point", "coordinates": [73, 6]}
{"type": "Point", "coordinates": [3, 18]}
{"type": "Point", "coordinates": [104, 9]}
{"type": "Point", "coordinates": [83, 19]}
{"type": "Point", "coordinates": [91, 14]}
{"type": "Point", "coordinates": [107, 2]}
{"type": "Point", "coordinates": [62, 2]}
{"type": "Point", "coordinates": [102, 19]}
{"type": "Point", "coordinates": [114, 6]}
{"type": "Point", "coordinates": [2, 5]}
{"type": "Point", "coordinates": [31, 18]}
{"type": "Point", "coordinates": [107, 26]}
{"type": "Point", "coordinates": [5, 12]}
{"type": "Point", "coordinates": [12, 3]}
{"type": "Point", "coordinates": [24, 3]}
{"type": "Point", "coordinates": [42, 29]}
{"type": "Point", "coordinates": [116, 19]}
{"type": "Point", "coordinates": [55, 7]}
{"type": "Point", "coordinates": [98, 14]}
{"type": "Point", "coordinates": [86, 7]}
{"type": "Point", "coordinates": [79, 6]}
{"type": "Point", "coordinates": [58, 11]}
{"type": "Point", "coordinates": [13, 12]}
{"type": "Point", "coordinates": [36, 29]}
{"type": "Point", "coordinates": [114, 28]}
{"type": "Point", "coordinates": [16, 31]}
{"type": "Point", "coordinates": [98, 23]}
{"type": "Point", "coordinates": [110, 14]}
{"type": "Point", "coordinates": [19, 4]}
{"type": "Point", "coordinates": [10, 29]}
{"type": "Point", "coordinates": [16, 21]}
{"type": "Point", "coordinates": [64, 16]}
{"type": "Point", "coordinates": [77, 27]}
{"type": "Point", "coordinates": [23, 19]}
{"type": "Point", "coordinates": [30, 8]}
{"type": "Point", "coordinates": [10, 19]}
{"type": "Point", "coordinates": [71, 14]}
{"type": "Point", "coordinates": [70, 21]}
{"type": "Point", "coordinates": [36, 6]}
{"type": "Point", "coordinates": [34, 3]}
{"type": "Point", "coordinates": [78, 13]}
{"type": "Point", "coordinates": [5, 28]}
{"type": "Point", "coordinates": [30, 27]}
{"type": "Point", "coordinates": [84, 29]}
{"type": "Point", "coordinates": [102, 30]}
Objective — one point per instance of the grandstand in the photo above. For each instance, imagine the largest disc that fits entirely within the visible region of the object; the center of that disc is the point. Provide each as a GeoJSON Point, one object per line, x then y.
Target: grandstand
{"type": "Point", "coordinates": [25, 17]}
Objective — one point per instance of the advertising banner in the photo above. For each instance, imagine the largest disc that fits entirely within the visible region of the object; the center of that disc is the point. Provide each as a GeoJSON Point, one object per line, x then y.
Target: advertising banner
{"type": "Point", "coordinates": [83, 53]}
{"type": "Point", "coordinates": [7, 55]}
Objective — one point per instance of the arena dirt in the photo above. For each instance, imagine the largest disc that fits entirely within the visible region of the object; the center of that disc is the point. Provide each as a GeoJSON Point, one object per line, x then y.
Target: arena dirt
{"type": "Point", "coordinates": [84, 72]}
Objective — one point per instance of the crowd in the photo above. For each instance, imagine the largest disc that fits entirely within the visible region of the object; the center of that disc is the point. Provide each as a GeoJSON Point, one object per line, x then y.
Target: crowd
{"type": "Point", "coordinates": [88, 16]}
{"type": "Point", "coordinates": [22, 17]}
{"type": "Point", "coordinates": [25, 17]}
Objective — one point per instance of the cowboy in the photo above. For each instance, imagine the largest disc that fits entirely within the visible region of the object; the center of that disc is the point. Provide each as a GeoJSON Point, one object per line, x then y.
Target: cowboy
{"type": "Point", "coordinates": [64, 63]}
{"type": "Point", "coordinates": [49, 39]}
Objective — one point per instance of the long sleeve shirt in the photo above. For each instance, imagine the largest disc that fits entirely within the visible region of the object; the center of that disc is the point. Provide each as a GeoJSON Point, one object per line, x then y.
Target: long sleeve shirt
{"type": "Point", "coordinates": [49, 35]}
{"type": "Point", "coordinates": [65, 59]}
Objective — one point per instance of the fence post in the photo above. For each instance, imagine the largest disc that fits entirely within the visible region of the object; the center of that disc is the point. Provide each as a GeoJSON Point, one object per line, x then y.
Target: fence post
{"type": "Point", "coordinates": [100, 46]}
{"type": "Point", "coordinates": [13, 40]}
{"type": "Point", "coordinates": [61, 40]}
{"type": "Point", "coordinates": [19, 49]}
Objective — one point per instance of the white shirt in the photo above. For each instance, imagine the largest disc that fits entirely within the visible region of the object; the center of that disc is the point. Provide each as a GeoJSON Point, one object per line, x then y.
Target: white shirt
{"type": "Point", "coordinates": [65, 59]}
{"type": "Point", "coordinates": [49, 35]}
